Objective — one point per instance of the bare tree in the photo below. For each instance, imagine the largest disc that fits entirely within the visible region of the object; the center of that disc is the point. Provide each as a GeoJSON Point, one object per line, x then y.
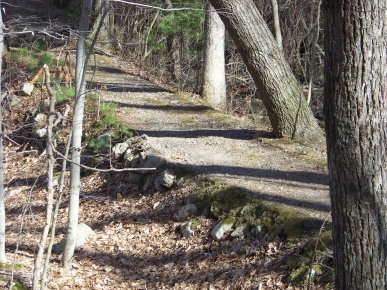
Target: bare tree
{"type": "Point", "coordinates": [356, 130]}
{"type": "Point", "coordinates": [214, 72]}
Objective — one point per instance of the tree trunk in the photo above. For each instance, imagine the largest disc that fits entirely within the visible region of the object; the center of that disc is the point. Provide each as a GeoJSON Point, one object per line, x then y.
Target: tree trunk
{"type": "Point", "coordinates": [3, 258]}
{"type": "Point", "coordinates": [173, 48]}
{"type": "Point", "coordinates": [101, 8]}
{"type": "Point", "coordinates": [282, 96]}
{"type": "Point", "coordinates": [214, 72]}
{"type": "Point", "coordinates": [356, 128]}
{"type": "Point", "coordinates": [75, 182]}
{"type": "Point", "coordinates": [276, 21]}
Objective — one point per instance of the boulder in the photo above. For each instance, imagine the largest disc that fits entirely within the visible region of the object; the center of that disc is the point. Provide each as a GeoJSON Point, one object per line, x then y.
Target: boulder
{"type": "Point", "coordinates": [83, 233]}
{"type": "Point", "coordinates": [221, 228]}
{"type": "Point", "coordinates": [185, 211]}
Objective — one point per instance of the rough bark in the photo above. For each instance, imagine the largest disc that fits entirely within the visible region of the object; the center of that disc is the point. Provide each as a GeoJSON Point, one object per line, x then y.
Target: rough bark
{"type": "Point", "coordinates": [356, 128]}
{"type": "Point", "coordinates": [214, 72]}
{"type": "Point", "coordinates": [75, 182]}
{"type": "Point", "coordinates": [276, 85]}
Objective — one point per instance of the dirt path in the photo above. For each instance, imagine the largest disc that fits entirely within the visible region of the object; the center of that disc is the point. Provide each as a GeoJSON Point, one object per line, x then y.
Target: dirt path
{"type": "Point", "coordinates": [187, 132]}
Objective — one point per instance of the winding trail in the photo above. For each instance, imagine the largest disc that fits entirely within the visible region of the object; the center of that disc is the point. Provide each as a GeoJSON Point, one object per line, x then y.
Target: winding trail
{"type": "Point", "coordinates": [188, 132]}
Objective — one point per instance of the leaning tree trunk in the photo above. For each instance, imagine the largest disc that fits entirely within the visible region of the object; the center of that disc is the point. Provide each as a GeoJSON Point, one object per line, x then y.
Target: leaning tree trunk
{"type": "Point", "coordinates": [214, 70]}
{"type": "Point", "coordinates": [356, 128]}
{"type": "Point", "coordinates": [282, 96]}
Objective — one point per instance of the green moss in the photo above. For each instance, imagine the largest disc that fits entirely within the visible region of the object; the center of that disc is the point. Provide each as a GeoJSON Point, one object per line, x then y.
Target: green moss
{"type": "Point", "coordinates": [222, 201]}
{"type": "Point", "coordinates": [318, 249]}
{"type": "Point", "coordinates": [194, 224]}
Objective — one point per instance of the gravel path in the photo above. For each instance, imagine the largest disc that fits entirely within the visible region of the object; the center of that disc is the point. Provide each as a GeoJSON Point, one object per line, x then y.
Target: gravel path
{"type": "Point", "coordinates": [188, 132]}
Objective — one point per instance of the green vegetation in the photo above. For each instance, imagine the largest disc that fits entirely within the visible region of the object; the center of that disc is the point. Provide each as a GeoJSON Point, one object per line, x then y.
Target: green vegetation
{"type": "Point", "coordinates": [63, 94]}
{"type": "Point", "coordinates": [34, 57]}
{"type": "Point", "coordinates": [107, 124]}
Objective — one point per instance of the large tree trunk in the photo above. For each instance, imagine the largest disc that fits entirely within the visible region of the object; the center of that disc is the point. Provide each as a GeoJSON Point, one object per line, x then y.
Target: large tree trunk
{"type": "Point", "coordinates": [282, 96]}
{"type": "Point", "coordinates": [356, 128]}
{"type": "Point", "coordinates": [214, 71]}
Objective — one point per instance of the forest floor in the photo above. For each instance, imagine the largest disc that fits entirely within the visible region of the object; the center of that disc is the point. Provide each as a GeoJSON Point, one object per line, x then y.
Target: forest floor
{"type": "Point", "coordinates": [137, 243]}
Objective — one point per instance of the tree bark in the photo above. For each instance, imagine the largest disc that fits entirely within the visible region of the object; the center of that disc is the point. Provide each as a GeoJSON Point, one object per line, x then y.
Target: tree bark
{"type": "Point", "coordinates": [214, 71]}
{"type": "Point", "coordinates": [75, 183]}
{"type": "Point", "coordinates": [282, 96]}
{"type": "Point", "coordinates": [356, 130]}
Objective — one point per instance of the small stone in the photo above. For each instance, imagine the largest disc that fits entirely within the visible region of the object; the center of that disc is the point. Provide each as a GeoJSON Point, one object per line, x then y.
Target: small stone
{"type": "Point", "coordinates": [221, 228]}
{"type": "Point", "coordinates": [26, 89]}
{"type": "Point", "coordinates": [165, 180]}
{"type": "Point", "coordinates": [41, 132]}
{"type": "Point", "coordinates": [185, 211]}
{"type": "Point", "coordinates": [239, 232]}
{"type": "Point", "coordinates": [119, 149]}
{"type": "Point", "coordinates": [186, 230]}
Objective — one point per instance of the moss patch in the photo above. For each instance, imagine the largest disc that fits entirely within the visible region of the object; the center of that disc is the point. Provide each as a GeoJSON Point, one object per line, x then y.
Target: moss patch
{"type": "Point", "coordinates": [221, 201]}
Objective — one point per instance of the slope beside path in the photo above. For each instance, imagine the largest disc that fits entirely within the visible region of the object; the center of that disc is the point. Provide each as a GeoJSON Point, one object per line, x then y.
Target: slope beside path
{"type": "Point", "coordinates": [186, 131]}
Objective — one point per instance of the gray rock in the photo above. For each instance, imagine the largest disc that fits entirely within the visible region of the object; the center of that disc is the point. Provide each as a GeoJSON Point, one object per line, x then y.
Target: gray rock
{"type": "Point", "coordinates": [239, 232]}
{"type": "Point", "coordinates": [165, 180]}
{"type": "Point", "coordinates": [144, 136]}
{"type": "Point", "coordinates": [83, 232]}
{"type": "Point", "coordinates": [221, 228]}
{"type": "Point", "coordinates": [185, 211]}
{"type": "Point", "coordinates": [186, 230]}
{"type": "Point", "coordinates": [152, 161]}
{"type": "Point", "coordinates": [26, 89]}
{"type": "Point", "coordinates": [119, 149]}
